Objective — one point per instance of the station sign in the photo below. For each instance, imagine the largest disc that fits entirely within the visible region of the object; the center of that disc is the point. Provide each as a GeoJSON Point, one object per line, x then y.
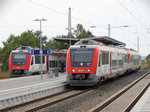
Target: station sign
{"type": "Point", "coordinates": [37, 52]}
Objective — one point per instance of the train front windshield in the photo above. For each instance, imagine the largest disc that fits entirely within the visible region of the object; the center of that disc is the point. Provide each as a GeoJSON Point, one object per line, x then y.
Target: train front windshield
{"type": "Point", "coordinates": [82, 57]}
{"type": "Point", "coordinates": [19, 58]}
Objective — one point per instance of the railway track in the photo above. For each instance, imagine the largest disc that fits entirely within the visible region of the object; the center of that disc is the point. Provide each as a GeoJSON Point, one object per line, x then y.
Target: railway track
{"type": "Point", "coordinates": [108, 102]}
{"type": "Point", "coordinates": [132, 104]}
{"type": "Point", "coordinates": [48, 101]}
{"type": "Point", "coordinates": [51, 100]}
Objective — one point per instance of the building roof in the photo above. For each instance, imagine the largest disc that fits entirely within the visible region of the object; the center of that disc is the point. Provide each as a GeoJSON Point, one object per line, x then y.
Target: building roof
{"type": "Point", "coordinates": [103, 39]}
{"type": "Point", "coordinates": [148, 57]}
{"type": "Point", "coordinates": [108, 41]}
{"type": "Point", "coordinates": [66, 40]}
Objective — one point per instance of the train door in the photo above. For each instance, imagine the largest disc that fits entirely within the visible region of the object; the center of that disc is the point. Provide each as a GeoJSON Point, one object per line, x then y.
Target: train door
{"type": "Point", "coordinates": [31, 69]}
{"type": "Point", "coordinates": [110, 65]}
{"type": "Point", "coordinates": [114, 68]}
{"type": "Point", "coordinates": [31, 65]}
{"type": "Point", "coordinates": [105, 67]}
{"type": "Point", "coordinates": [131, 62]}
{"type": "Point", "coordinates": [125, 62]}
{"type": "Point", "coordinates": [99, 65]}
{"type": "Point", "coordinates": [122, 63]}
{"type": "Point", "coordinates": [37, 65]}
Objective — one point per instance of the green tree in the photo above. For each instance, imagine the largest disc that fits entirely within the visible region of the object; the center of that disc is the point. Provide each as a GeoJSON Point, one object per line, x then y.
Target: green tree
{"type": "Point", "coordinates": [0, 55]}
{"type": "Point", "coordinates": [81, 33]}
{"type": "Point", "coordinates": [30, 38]}
{"type": "Point", "coordinates": [44, 38]}
{"type": "Point", "coordinates": [52, 44]}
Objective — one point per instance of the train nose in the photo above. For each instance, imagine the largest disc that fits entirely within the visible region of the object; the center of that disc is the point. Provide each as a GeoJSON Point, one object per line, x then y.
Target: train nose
{"type": "Point", "coordinates": [80, 77]}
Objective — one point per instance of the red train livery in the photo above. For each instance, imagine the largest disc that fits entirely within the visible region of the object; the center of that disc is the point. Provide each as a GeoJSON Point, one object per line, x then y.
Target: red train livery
{"type": "Point", "coordinates": [89, 62]}
{"type": "Point", "coordinates": [26, 61]}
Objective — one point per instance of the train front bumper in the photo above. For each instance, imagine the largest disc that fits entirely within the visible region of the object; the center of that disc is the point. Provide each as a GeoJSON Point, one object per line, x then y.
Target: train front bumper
{"type": "Point", "coordinates": [90, 81]}
{"type": "Point", "coordinates": [14, 73]}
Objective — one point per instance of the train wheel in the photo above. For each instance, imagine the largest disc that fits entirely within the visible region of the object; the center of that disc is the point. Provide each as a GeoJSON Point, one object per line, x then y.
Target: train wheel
{"type": "Point", "coordinates": [136, 70]}
{"type": "Point", "coordinates": [116, 77]}
{"type": "Point", "coordinates": [102, 79]}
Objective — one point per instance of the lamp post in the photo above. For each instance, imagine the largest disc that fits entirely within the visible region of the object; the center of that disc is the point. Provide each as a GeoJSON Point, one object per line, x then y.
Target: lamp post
{"type": "Point", "coordinates": [109, 28]}
{"type": "Point", "coordinates": [40, 36]}
{"type": "Point", "coordinates": [137, 39]}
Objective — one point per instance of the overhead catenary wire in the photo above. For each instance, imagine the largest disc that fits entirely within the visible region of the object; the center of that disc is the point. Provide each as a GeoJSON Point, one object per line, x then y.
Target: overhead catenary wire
{"type": "Point", "coordinates": [59, 12]}
{"type": "Point", "coordinates": [132, 14]}
{"type": "Point", "coordinates": [137, 9]}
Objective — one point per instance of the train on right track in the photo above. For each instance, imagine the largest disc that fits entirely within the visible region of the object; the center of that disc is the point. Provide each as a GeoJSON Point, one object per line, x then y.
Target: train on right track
{"type": "Point", "coordinates": [89, 62]}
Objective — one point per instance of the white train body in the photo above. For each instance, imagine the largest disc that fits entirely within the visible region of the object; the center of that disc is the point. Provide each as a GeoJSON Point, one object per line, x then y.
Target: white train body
{"type": "Point", "coordinates": [88, 64]}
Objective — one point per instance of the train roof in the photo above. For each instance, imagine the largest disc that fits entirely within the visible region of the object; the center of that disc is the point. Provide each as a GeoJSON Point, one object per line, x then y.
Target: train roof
{"type": "Point", "coordinates": [93, 44]}
{"type": "Point", "coordinates": [26, 48]}
{"type": "Point", "coordinates": [108, 41]}
{"type": "Point", "coordinates": [36, 51]}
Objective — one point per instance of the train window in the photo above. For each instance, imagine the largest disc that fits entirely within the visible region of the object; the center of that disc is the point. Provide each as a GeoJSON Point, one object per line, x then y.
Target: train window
{"type": "Point", "coordinates": [53, 64]}
{"type": "Point", "coordinates": [114, 64]}
{"type": "Point", "coordinates": [83, 55]}
{"type": "Point", "coordinates": [19, 58]}
{"type": "Point", "coordinates": [131, 58]}
{"type": "Point", "coordinates": [125, 58]}
{"type": "Point", "coordinates": [119, 56]}
{"type": "Point", "coordinates": [114, 60]}
{"type": "Point", "coordinates": [105, 58]}
{"type": "Point", "coordinates": [120, 63]}
{"type": "Point", "coordinates": [38, 59]}
{"type": "Point", "coordinates": [32, 61]}
{"type": "Point", "coordinates": [120, 60]}
{"type": "Point", "coordinates": [99, 60]}
{"type": "Point", "coordinates": [136, 59]}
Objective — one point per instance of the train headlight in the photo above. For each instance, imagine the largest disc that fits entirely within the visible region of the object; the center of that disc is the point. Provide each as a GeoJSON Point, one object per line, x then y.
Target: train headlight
{"type": "Point", "coordinates": [88, 70]}
{"type": "Point", "coordinates": [73, 70]}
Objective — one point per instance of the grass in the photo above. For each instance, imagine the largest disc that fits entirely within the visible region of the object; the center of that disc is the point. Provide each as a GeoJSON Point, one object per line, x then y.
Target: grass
{"type": "Point", "coordinates": [4, 75]}
{"type": "Point", "coordinates": [145, 63]}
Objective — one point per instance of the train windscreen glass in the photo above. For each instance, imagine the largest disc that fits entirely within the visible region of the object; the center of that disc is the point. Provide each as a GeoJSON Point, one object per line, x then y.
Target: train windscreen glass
{"type": "Point", "coordinates": [82, 57]}
{"type": "Point", "coordinates": [19, 58]}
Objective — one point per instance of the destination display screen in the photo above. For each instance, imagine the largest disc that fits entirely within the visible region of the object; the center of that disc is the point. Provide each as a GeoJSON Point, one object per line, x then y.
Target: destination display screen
{"type": "Point", "coordinates": [20, 56]}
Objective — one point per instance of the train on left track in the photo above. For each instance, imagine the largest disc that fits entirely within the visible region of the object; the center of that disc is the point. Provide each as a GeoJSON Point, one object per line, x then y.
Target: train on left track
{"type": "Point", "coordinates": [26, 61]}
{"type": "Point", "coordinates": [90, 62]}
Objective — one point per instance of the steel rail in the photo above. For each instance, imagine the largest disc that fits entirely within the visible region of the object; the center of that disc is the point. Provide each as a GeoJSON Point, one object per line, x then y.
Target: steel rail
{"type": "Point", "coordinates": [33, 101]}
{"type": "Point", "coordinates": [60, 100]}
{"type": "Point", "coordinates": [57, 101]}
{"type": "Point", "coordinates": [131, 105]}
{"type": "Point", "coordinates": [99, 108]}
{"type": "Point", "coordinates": [72, 96]}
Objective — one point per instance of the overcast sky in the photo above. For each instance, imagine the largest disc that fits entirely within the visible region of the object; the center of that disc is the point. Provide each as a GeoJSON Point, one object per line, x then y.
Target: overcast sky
{"type": "Point", "coordinates": [17, 16]}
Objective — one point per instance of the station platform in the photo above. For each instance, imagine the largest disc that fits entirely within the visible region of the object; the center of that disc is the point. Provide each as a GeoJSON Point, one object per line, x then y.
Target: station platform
{"type": "Point", "coordinates": [143, 105]}
{"type": "Point", "coordinates": [18, 90]}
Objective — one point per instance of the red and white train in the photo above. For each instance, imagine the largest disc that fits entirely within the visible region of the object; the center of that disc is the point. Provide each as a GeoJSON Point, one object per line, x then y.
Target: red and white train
{"type": "Point", "coordinates": [89, 62]}
{"type": "Point", "coordinates": [26, 61]}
